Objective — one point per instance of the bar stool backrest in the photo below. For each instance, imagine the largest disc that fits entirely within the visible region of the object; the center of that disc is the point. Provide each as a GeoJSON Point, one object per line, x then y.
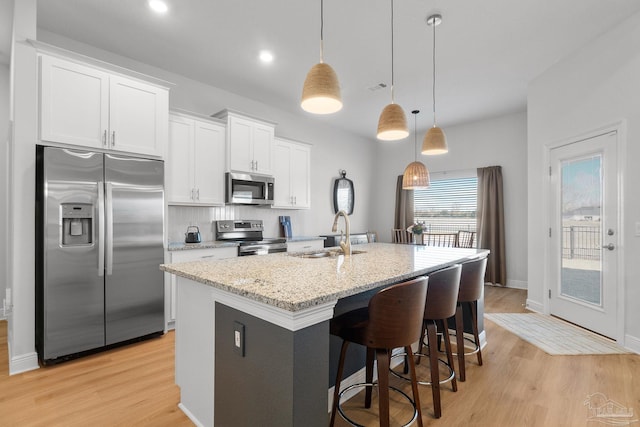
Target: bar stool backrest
{"type": "Point", "coordinates": [395, 314]}
{"type": "Point", "coordinates": [472, 280]}
{"type": "Point", "coordinates": [442, 295]}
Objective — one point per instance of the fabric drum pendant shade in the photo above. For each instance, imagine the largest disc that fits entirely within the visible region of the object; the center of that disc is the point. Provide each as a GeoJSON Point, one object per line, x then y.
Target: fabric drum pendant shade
{"type": "Point", "coordinates": [321, 90]}
{"type": "Point", "coordinates": [434, 142]}
{"type": "Point", "coordinates": [392, 124]}
{"type": "Point", "coordinates": [415, 176]}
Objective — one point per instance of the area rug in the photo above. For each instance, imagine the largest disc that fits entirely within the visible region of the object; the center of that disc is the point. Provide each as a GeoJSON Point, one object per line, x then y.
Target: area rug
{"type": "Point", "coordinates": [554, 336]}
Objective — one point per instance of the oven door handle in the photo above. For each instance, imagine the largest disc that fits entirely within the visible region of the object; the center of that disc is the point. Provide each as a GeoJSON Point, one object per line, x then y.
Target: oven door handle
{"type": "Point", "coordinates": [251, 248]}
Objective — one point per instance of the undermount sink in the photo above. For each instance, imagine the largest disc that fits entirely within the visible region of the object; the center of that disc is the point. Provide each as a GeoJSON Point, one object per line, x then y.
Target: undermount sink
{"type": "Point", "coordinates": [324, 254]}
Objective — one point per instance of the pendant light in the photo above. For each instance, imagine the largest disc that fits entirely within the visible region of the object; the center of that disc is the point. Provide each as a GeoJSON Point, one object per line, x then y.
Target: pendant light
{"type": "Point", "coordinates": [435, 141]}
{"type": "Point", "coordinates": [392, 124]}
{"type": "Point", "coordinates": [321, 90]}
{"type": "Point", "coordinates": [416, 174]}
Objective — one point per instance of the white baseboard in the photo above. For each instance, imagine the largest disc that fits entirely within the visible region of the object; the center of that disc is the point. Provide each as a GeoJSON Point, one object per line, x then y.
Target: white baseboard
{"type": "Point", "coordinates": [517, 284]}
{"type": "Point", "coordinates": [190, 415]}
{"type": "Point", "coordinates": [23, 363]}
{"type": "Point", "coordinates": [632, 343]}
{"type": "Point", "coordinates": [534, 306]}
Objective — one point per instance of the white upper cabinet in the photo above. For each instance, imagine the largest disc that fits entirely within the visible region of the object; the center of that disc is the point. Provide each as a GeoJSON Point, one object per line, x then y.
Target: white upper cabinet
{"type": "Point", "coordinates": [195, 161]}
{"type": "Point", "coordinates": [292, 171]}
{"type": "Point", "coordinates": [87, 106]}
{"type": "Point", "coordinates": [249, 143]}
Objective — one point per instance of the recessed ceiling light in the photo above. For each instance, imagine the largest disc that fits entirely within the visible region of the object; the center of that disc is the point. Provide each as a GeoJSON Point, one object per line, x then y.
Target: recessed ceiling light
{"type": "Point", "coordinates": [266, 56]}
{"type": "Point", "coordinates": [158, 6]}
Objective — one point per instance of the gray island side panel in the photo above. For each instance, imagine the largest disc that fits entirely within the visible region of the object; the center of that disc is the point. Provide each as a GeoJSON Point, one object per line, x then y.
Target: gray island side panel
{"type": "Point", "coordinates": [281, 370]}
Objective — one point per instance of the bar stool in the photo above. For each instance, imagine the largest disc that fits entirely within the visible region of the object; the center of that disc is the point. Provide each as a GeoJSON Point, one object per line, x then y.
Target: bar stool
{"type": "Point", "coordinates": [391, 320]}
{"type": "Point", "coordinates": [442, 296]}
{"type": "Point", "coordinates": [471, 289]}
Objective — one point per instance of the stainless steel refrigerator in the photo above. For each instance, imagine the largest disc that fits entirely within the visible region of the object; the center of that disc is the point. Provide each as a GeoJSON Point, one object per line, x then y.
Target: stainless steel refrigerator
{"type": "Point", "coordinates": [99, 242]}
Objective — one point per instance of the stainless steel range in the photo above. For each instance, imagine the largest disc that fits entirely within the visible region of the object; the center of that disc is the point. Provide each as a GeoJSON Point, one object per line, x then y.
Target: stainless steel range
{"type": "Point", "coordinates": [248, 233]}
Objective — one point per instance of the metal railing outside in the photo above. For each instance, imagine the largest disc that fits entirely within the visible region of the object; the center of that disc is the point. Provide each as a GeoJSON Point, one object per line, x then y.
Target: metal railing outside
{"type": "Point", "coordinates": [581, 242]}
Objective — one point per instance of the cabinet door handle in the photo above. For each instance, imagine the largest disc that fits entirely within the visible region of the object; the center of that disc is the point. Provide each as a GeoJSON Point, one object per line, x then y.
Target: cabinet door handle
{"type": "Point", "coordinates": [256, 165]}
{"type": "Point", "coordinates": [113, 138]}
{"type": "Point", "coordinates": [193, 194]}
{"type": "Point", "coordinates": [198, 194]}
{"type": "Point", "coordinates": [104, 138]}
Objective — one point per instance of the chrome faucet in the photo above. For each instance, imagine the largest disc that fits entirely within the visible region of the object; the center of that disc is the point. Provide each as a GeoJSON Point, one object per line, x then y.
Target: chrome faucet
{"type": "Point", "coordinates": [346, 245]}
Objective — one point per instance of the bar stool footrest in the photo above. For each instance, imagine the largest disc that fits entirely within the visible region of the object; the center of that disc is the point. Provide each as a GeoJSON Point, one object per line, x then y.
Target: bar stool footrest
{"type": "Point", "coordinates": [352, 386]}
{"type": "Point", "coordinates": [452, 373]}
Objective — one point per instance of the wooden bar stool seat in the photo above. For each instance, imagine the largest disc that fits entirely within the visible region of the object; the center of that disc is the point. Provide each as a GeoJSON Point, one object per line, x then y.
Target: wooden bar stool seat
{"type": "Point", "coordinates": [391, 320]}
{"type": "Point", "coordinates": [442, 296]}
{"type": "Point", "coordinates": [471, 290]}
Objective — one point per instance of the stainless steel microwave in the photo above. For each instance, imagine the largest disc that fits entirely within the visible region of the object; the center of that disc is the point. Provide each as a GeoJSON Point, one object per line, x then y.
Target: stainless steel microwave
{"type": "Point", "coordinates": [247, 189]}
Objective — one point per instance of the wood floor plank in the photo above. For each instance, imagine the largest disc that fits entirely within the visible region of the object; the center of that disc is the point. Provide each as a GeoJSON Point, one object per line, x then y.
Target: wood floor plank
{"type": "Point", "coordinates": [519, 385]}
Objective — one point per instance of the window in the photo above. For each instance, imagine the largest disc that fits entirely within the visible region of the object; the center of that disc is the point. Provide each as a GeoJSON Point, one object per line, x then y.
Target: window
{"type": "Point", "coordinates": [449, 204]}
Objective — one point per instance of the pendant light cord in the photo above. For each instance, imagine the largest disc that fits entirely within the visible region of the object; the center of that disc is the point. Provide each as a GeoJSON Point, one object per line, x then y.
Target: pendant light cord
{"type": "Point", "coordinates": [415, 135]}
{"type": "Point", "coordinates": [434, 72]}
{"type": "Point", "coordinates": [321, 31]}
{"type": "Point", "coordinates": [392, 76]}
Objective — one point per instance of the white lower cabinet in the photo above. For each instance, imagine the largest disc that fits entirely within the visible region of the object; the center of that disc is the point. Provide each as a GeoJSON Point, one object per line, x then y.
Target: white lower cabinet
{"type": "Point", "coordinates": [292, 172]}
{"type": "Point", "coordinates": [172, 257]}
{"type": "Point", "coordinates": [195, 162]}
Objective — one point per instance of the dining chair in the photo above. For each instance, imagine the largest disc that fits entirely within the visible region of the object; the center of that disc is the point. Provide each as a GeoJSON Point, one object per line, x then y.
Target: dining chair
{"type": "Point", "coordinates": [400, 235]}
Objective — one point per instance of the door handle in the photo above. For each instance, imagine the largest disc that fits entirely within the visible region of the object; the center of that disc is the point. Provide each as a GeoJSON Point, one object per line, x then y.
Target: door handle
{"type": "Point", "coordinates": [101, 227]}
{"type": "Point", "coordinates": [610, 246]}
{"type": "Point", "coordinates": [109, 228]}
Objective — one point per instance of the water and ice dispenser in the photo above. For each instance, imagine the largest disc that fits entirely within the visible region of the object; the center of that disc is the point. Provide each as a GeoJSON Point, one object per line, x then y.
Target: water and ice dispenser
{"type": "Point", "coordinates": [77, 224]}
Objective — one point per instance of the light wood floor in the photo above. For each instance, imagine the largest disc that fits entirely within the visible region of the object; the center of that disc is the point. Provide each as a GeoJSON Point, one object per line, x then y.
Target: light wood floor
{"type": "Point", "coordinates": [518, 385]}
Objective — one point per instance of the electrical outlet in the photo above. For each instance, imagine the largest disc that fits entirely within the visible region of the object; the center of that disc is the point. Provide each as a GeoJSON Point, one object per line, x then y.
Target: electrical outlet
{"type": "Point", "coordinates": [238, 338]}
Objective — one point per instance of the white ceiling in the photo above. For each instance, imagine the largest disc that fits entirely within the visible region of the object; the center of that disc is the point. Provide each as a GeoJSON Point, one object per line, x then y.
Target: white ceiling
{"type": "Point", "coordinates": [487, 51]}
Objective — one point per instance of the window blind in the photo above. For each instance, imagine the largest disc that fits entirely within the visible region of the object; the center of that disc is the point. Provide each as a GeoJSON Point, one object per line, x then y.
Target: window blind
{"type": "Point", "coordinates": [448, 205]}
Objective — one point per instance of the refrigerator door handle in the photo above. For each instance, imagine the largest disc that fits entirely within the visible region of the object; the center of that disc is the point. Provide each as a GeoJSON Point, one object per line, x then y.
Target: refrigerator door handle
{"type": "Point", "coordinates": [109, 228]}
{"type": "Point", "coordinates": [100, 228]}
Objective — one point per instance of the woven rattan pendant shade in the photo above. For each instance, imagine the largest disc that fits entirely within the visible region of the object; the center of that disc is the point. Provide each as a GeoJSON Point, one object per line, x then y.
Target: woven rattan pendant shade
{"type": "Point", "coordinates": [415, 176]}
{"type": "Point", "coordinates": [392, 124]}
{"type": "Point", "coordinates": [321, 90]}
{"type": "Point", "coordinates": [434, 142]}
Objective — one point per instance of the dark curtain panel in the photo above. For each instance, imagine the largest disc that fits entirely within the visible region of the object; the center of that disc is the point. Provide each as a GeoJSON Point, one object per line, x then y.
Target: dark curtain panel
{"type": "Point", "coordinates": [491, 223]}
{"type": "Point", "coordinates": [404, 206]}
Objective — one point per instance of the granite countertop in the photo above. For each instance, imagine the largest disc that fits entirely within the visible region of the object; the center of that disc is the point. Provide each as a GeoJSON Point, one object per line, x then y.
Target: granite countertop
{"type": "Point", "coordinates": [181, 246]}
{"type": "Point", "coordinates": [294, 283]}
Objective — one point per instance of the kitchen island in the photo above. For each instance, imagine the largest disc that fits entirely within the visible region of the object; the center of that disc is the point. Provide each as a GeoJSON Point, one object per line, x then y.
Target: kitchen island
{"type": "Point", "coordinates": [252, 333]}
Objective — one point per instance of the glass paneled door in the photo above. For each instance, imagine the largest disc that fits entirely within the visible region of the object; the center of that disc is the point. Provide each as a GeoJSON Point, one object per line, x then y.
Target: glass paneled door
{"type": "Point", "coordinates": [584, 233]}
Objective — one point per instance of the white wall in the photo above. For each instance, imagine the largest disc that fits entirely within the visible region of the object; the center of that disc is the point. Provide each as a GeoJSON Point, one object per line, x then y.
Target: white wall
{"type": "Point", "coordinates": [501, 141]}
{"type": "Point", "coordinates": [4, 176]}
{"type": "Point", "coordinates": [597, 86]}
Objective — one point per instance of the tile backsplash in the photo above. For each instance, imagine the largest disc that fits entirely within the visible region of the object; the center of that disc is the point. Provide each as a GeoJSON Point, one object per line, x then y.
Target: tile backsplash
{"type": "Point", "coordinates": [180, 217]}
